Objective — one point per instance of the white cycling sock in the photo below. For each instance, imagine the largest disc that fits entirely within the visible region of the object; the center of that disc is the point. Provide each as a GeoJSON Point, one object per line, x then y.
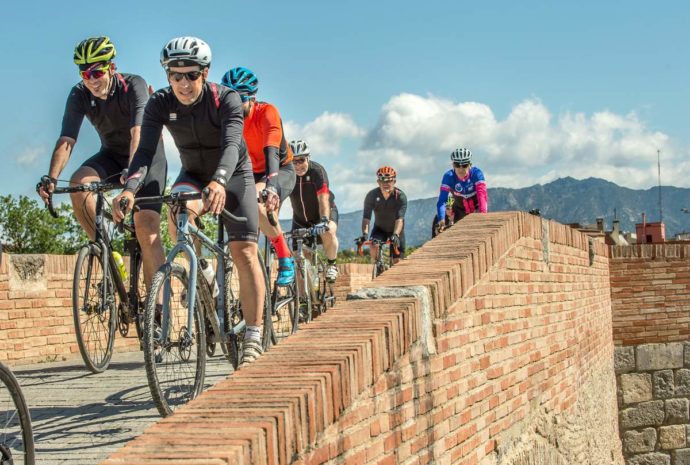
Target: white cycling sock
{"type": "Point", "coordinates": [253, 333]}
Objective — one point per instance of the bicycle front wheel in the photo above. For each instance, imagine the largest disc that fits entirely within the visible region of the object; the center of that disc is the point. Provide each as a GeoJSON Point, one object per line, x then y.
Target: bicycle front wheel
{"type": "Point", "coordinates": [94, 309]}
{"type": "Point", "coordinates": [174, 354]}
{"type": "Point", "coordinates": [16, 436]}
{"type": "Point", "coordinates": [268, 336]}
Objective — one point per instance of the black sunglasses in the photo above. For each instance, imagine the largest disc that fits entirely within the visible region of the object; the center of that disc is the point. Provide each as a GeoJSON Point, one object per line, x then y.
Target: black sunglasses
{"type": "Point", "coordinates": [190, 75]}
{"type": "Point", "coordinates": [460, 165]}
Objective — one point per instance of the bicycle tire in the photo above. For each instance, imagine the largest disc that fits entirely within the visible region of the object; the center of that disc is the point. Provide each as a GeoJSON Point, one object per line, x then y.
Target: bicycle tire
{"type": "Point", "coordinates": [129, 312]}
{"type": "Point", "coordinates": [285, 307]}
{"type": "Point", "coordinates": [16, 434]}
{"type": "Point", "coordinates": [158, 347]}
{"type": "Point", "coordinates": [306, 300]}
{"type": "Point", "coordinates": [326, 296]}
{"type": "Point", "coordinates": [93, 309]}
{"type": "Point", "coordinates": [268, 337]}
{"type": "Point", "coordinates": [232, 316]}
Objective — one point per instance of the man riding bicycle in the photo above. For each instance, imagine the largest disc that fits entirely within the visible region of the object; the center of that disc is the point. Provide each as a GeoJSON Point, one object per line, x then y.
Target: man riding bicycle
{"type": "Point", "coordinates": [114, 104]}
{"type": "Point", "coordinates": [206, 120]}
{"type": "Point", "coordinates": [466, 185]}
{"type": "Point", "coordinates": [271, 158]}
{"type": "Point", "coordinates": [389, 205]}
{"type": "Point", "coordinates": [313, 203]}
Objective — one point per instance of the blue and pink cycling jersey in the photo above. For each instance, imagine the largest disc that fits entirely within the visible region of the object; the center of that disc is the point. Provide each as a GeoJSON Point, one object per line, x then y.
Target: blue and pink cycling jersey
{"type": "Point", "coordinates": [468, 192]}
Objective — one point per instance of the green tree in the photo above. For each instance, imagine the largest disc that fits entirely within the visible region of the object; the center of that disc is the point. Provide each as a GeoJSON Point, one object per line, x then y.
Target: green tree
{"type": "Point", "coordinates": [27, 227]}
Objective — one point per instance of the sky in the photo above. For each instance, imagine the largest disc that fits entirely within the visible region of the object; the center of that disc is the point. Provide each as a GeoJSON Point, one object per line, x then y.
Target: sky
{"type": "Point", "coordinates": [538, 90]}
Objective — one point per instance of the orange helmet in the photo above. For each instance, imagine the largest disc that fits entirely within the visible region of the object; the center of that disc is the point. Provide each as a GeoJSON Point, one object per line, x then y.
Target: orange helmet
{"type": "Point", "coordinates": [385, 173]}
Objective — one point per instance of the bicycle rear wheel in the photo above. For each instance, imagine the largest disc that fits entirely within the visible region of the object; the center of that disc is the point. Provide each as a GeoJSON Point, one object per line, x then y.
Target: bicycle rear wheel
{"type": "Point", "coordinates": [268, 336]}
{"type": "Point", "coordinates": [285, 317]}
{"type": "Point", "coordinates": [94, 308]}
{"type": "Point", "coordinates": [16, 436]}
{"type": "Point", "coordinates": [232, 316]}
{"type": "Point", "coordinates": [175, 361]}
{"type": "Point", "coordinates": [325, 294]}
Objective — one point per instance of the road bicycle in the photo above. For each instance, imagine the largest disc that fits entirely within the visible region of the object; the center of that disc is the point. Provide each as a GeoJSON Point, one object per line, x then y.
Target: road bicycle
{"type": "Point", "coordinates": [101, 301]}
{"type": "Point", "coordinates": [315, 291]}
{"type": "Point", "coordinates": [182, 318]}
{"type": "Point", "coordinates": [383, 259]}
{"type": "Point", "coordinates": [16, 436]}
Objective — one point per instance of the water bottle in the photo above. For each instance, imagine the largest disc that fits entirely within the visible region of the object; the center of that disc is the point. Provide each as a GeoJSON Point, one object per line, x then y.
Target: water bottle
{"type": "Point", "coordinates": [120, 263]}
{"type": "Point", "coordinates": [209, 275]}
{"type": "Point", "coordinates": [313, 275]}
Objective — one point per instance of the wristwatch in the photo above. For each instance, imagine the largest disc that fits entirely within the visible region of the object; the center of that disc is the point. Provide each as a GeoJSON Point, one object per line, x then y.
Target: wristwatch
{"type": "Point", "coordinates": [220, 180]}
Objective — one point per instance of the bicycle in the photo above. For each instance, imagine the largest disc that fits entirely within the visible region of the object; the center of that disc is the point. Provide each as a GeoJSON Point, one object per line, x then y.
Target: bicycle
{"type": "Point", "coordinates": [384, 259]}
{"type": "Point", "coordinates": [284, 300]}
{"type": "Point", "coordinates": [16, 435]}
{"type": "Point", "coordinates": [180, 309]}
{"type": "Point", "coordinates": [316, 293]}
{"type": "Point", "coordinates": [100, 299]}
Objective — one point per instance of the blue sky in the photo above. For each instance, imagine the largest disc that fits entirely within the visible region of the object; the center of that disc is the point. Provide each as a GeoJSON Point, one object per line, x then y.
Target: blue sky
{"type": "Point", "coordinates": [537, 90]}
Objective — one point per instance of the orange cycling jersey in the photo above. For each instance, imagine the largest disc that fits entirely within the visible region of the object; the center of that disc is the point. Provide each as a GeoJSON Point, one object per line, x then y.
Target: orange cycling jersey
{"type": "Point", "coordinates": [264, 128]}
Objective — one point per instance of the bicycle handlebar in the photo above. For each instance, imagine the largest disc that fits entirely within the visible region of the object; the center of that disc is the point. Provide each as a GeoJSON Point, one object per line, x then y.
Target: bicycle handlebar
{"type": "Point", "coordinates": [375, 242]}
{"type": "Point", "coordinates": [303, 233]}
{"type": "Point", "coordinates": [95, 186]}
{"type": "Point", "coordinates": [271, 216]}
{"type": "Point", "coordinates": [180, 198]}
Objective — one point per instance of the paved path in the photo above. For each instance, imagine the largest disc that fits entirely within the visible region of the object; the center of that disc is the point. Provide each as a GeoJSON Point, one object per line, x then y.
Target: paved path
{"type": "Point", "coordinates": [80, 418]}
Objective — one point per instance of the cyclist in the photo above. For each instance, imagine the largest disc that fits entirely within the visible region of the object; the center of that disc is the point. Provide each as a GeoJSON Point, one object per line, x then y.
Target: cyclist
{"type": "Point", "coordinates": [114, 104]}
{"type": "Point", "coordinates": [466, 185]}
{"type": "Point", "coordinates": [389, 205]}
{"type": "Point", "coordinates": [450, 217]}
{"type": "Point", "coordinates": [205, 120]}
{"type": "Point", "coordinates": [313, 203]}
{"type": "Point", "coordinates": [271, 158]}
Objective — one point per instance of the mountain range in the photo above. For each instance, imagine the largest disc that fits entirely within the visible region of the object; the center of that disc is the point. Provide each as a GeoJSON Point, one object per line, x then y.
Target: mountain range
{"type": "Point", "coordinates": [566, 200]}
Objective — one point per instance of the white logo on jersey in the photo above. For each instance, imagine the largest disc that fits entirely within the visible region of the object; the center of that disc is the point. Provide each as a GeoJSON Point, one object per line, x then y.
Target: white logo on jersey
{"type": "Point", "coordinates": [173, 116]}
{"type": "Point", "coordinates": [307, 178]}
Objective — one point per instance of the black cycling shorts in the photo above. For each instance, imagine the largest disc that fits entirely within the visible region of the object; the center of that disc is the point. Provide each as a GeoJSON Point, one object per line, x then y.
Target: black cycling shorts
{"type": "Point", "coordinates": [285, 183]}
{"type": "Point", "coordinates": [109, 165]}
{"type": "Point", "coordinates": [382, 235]}
{"type": "Point", "coordinates": [240, 200]}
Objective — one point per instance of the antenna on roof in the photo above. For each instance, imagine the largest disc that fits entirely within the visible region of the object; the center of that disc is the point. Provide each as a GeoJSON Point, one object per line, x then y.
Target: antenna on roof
{"type": "Point", "coordinates": [658, 161]}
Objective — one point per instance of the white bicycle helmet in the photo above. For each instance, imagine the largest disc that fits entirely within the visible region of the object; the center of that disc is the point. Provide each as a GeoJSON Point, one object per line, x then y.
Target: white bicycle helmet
{"type": "Point", "coordinates": [186, 51]}
{"type": "Point", "coordinates": [461, 156]}
{"type": "Point", "coordinates": [299, 148]}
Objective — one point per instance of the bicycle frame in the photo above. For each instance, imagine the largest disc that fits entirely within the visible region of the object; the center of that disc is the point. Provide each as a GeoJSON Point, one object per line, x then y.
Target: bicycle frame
{"type": "Point", "coordinates": [185, 230]}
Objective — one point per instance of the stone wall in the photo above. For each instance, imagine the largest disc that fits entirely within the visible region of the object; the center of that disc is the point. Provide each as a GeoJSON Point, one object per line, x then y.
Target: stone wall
{"type": "Point", "coordinates": [490, 345]}
{"type": "Point", "coordinates": [654, 403]}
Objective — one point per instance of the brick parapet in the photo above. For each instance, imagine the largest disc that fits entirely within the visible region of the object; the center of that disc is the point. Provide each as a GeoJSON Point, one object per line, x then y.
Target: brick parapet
{"type": "Point", "coordinates": [519, 309]}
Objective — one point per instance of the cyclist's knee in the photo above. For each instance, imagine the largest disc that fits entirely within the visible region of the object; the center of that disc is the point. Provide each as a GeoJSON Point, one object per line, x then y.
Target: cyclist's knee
{"type": "Point", "coordinates": [244, 254]}
{"type": "Point", "coordinates": [83, 175]}
{"type": "Point", "coordinates": [147, 224]}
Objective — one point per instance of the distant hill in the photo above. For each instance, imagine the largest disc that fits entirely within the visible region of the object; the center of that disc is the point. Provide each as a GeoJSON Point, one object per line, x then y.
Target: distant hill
{"type": "Point", "coordinates": [565, 200]}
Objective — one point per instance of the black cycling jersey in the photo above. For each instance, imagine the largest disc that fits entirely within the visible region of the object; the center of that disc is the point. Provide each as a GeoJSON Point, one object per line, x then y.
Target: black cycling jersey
{"type": "Point", "coordinates": [386, 210]}
{"type": "Point", "coordinates": [207, 133]}
{"type": "Point", "coordinates": [113, 117]}
{"type": "Point", "coordinates": [304, 197]}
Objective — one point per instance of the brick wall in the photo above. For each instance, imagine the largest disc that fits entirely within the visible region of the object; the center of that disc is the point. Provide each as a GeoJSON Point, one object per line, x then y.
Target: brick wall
{"type": "Point", "coordinates": [650, 293]}
{"type": "Point", "coordinates": [491, 344]}
{"type": "Point", "coordinates": [36, 323]}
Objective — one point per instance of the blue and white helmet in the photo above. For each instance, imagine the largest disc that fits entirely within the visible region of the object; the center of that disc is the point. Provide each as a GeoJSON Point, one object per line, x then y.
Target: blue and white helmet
{"type": "Point", "coordinates": [186, 51]}
{"type": "Point", "coordinates": [461, 156]}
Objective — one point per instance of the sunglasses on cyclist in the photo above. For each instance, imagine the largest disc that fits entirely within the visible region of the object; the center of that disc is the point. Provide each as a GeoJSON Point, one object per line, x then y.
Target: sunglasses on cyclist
{"type": "Point", "coordinates": [386, 179]}
{"type": "Point", "coordinates": [461, 165]}
{"type": "Point", "coordinates": [299, 161]}
{"type": "Point", "coordinates": [190, 76]}
{"type": "Point", "coordinates": [246, 97]}
{"type": "Point", "coordinates": [96, 71]}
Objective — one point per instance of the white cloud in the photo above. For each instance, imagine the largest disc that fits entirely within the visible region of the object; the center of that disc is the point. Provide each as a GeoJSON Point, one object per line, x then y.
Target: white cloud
{"type": "Point", "coordinates": [324, 134]}
{"type": "Point", "coordinates": [30, 155]}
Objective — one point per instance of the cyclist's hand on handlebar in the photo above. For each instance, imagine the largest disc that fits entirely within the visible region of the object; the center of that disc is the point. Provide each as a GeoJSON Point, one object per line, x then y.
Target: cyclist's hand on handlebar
{"type": "Point", "coordinates": [214, 202]}
{"type": "Point", "coordinates": [395, 239]}
{"type": "Point", "coordinates": [270, 198]}
{"type": "Point", "coordinates": [123, 176]}
{"type": "Point", "coordinates": [360, 240]}
{"type": "Point", "coordinates": [118, 212]}
{"type": "Point", "coordinates": [45, 187]}
{"type": "Point", "coordinates": [440, 227]}
{"type": "Point", "coordinates": [322, 227]}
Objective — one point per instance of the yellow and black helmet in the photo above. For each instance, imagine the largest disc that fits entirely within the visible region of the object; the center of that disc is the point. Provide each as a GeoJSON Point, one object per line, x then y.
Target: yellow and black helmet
{"type": "Point", "coordinates": [94, 50]}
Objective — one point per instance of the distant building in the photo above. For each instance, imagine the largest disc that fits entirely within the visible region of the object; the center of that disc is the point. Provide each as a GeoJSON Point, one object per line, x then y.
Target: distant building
{"type": "Point", "coordinates": [684, 236]}
{"type": "Point", "coordinates": [616, 236]}
{"type": "Point", "coordinates": [598, 229]}
{"type": "Point", "coordinates": [650, 233]}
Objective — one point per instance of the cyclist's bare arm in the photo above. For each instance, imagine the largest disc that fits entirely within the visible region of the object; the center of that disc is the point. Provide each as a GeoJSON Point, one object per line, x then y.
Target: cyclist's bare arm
{"type": "Point", "coordinates": [397, 229]}
{"type": "Point", "coordinates": [365, 226]}
{"type": "Point", "coordinates": [61, 154]}
{"type": "Point", "coordinates": [135, 132]}
{"type": "Point", "coordinates": [324, 205]}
